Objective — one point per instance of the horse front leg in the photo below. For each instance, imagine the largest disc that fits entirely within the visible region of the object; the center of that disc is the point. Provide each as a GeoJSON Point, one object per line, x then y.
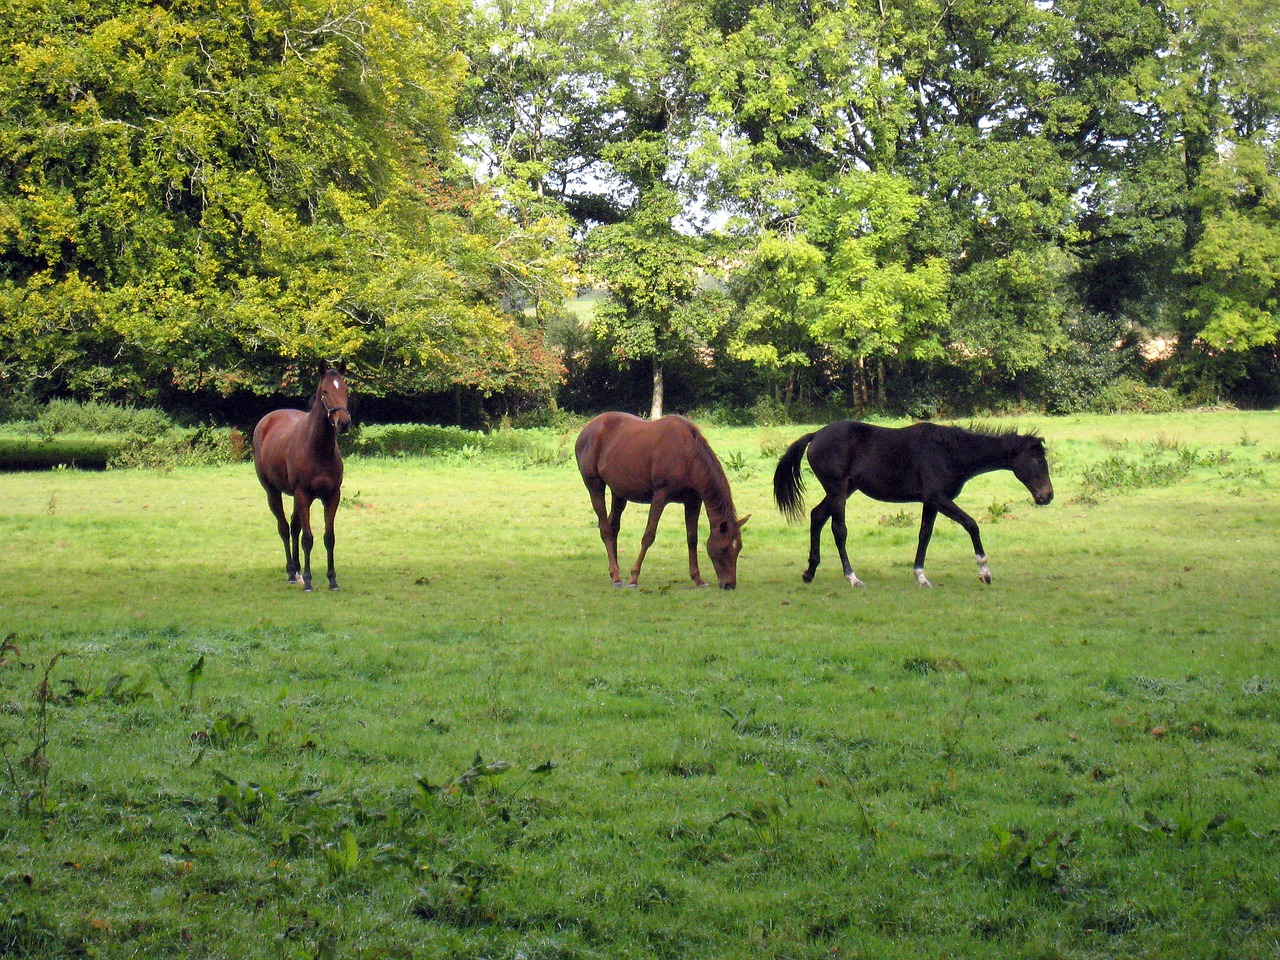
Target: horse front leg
{"type": "Point", "coordinates": [331, 511]}
{"type": "Point", "coordinates": [301, 530]}
{"type": "Point", "coordinates": [948, 509]}
{"type": "Point", "coordinates": [692, 511]}
{"type": "Point", "coordinates": [840, 531]}
{"type": "Point", "coordinates": [650, 533]}
{"type": "Point", "coordinates": [927, 516]}
{"type": "Point", "coordinates": [275, 501]}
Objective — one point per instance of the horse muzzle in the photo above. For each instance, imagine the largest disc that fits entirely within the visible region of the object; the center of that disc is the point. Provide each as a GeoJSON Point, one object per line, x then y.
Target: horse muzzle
{"type": "Point", "coordinates": [340, 419]}
{"type": "Point", "coordinates": [729, 586]}
{"type": "Point", "coordinates": [1043, 497]}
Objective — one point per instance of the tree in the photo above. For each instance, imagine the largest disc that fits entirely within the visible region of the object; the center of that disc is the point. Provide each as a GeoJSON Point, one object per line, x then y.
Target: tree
{"type": "Point", "coordinates": [195, 197]}
{"type": "Point", "coordinates": [656, 309]}
{"type": "Point", "coordinates": [1234, 267]}
{"type": "Point", "coordinates": [778, 301]}
{"type": "Point", "coordinates": [877, 304]}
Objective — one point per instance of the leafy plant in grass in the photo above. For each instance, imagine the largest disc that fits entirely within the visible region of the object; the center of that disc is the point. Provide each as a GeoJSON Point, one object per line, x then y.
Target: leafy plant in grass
{"type": "Point", "coordinates": [1158, 464]}
{"type": "Point", "coordinates": [1024, 857]}
{"type": "Point", "coordinates": [28, 774]}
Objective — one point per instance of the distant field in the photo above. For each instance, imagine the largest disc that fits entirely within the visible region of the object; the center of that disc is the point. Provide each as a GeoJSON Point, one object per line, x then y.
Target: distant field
{"type": "Point", "coordinates": [478, 748]}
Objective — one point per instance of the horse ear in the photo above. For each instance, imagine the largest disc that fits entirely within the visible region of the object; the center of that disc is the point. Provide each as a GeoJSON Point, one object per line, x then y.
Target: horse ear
{"type": "Point", "coordinates": [322, 367]}
{"type": "Point", "coordinates": [342, 367]}
{"type": "Point", "coordinates": [742, 521]}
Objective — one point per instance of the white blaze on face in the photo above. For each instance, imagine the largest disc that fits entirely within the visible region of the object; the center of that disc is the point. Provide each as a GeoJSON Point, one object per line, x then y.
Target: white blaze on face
{"type": "Point", "coordinates": [337, 384]}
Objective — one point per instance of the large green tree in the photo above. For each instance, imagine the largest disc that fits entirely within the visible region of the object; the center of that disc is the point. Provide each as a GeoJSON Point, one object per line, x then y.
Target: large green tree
{"type": "Point", "coordinates": [197, 194]}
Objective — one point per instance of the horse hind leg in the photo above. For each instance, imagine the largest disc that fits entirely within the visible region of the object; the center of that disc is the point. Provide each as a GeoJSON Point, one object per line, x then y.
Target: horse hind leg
{"type": "Point", "coordinates": [275, 500]}
{"type": "Point", "coordinates": [610, 522]}
{"type": "Point", "coordinates": [818, 518]}
{"type": "Point", "coordinates": [302, 536]}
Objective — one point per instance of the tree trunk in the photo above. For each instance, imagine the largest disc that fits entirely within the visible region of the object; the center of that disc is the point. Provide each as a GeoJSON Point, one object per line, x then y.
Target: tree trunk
{"type": "Point", "coordinates": [655, 410]}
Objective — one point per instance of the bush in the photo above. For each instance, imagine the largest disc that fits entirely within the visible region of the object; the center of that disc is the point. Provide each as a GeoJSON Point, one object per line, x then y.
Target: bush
{"type": "Point", "coordinates": [202, 446]}
{"type": "Point", "coordinates": [69, 416]}
{"type": "Point", "coordinates": [1127, 395]}
{"type": "Point", "coordinates": [411, 440]}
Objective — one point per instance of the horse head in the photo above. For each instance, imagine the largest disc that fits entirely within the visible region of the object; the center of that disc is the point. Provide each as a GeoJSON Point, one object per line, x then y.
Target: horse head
{"type": "Point", "coordinates": [723, 547]}
{"type": "Point", "coordinates": [1032, 468]}
{"type": "Point", "coordinates": [332, 392]}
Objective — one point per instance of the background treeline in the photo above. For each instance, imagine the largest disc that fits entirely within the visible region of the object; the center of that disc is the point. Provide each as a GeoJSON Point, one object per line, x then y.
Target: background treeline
{"type": "Point", "coordinates": [923, 207]}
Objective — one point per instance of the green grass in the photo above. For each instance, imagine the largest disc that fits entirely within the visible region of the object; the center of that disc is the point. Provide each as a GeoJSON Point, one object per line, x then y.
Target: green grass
{"type": "Point", "coordinates": [1079, 761]}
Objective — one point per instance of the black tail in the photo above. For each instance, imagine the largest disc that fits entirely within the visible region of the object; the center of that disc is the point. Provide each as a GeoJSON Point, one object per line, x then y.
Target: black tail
{"type": "Point", "coordinates": [788, 487]}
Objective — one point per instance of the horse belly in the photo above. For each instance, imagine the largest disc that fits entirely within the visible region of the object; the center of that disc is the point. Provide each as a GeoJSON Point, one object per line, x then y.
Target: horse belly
{"type": "Point", "coordinates": [271, 438]}
{"type": "Point", "coordinates": [628, 488]}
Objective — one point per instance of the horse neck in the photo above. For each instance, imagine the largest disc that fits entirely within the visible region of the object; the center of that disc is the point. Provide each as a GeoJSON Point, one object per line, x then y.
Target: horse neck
{"type": "Point", "coordinates": [713, 486]}
{"type": "Point", "coordinates": [987, 452]}
{"type": "Point", "coordinates": [322, 438]}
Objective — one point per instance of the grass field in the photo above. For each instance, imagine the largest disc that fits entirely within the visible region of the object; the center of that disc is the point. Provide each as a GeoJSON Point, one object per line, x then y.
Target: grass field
{"type": "Point", "coordinates": [478, 748]}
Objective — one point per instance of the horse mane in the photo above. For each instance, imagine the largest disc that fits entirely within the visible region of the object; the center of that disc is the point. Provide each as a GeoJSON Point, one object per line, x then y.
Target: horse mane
{"type": "Point", "coordinates": [718, 497]}
{"type": "Point", "coordinates": [1011, 436]}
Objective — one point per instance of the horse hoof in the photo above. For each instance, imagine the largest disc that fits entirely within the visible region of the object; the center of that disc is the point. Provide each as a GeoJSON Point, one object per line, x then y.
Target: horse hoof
{"type": "Point", "coordinates": [807, 577]}
{"type": "Point", "coordinates": [986, 579]}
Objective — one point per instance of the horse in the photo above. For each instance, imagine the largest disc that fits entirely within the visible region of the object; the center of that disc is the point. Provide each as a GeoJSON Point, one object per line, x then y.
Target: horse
{"type": "Point", "coordinates": [659, 462]}
{"type": "Point", "coordinates": [924, 463]}
{"type": "Point", "coordinates": [297, 453]}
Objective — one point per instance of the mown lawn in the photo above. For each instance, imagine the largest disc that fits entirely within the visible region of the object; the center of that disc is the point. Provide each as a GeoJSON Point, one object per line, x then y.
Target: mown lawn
{"type": "Point", "coordinates": [478, 748]}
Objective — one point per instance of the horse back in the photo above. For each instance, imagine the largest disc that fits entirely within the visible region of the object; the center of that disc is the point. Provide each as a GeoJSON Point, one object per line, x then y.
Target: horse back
{"type": "Point", "coordinates": [892, 464]}
{"type": "Point", "coordinates": [634, 457]}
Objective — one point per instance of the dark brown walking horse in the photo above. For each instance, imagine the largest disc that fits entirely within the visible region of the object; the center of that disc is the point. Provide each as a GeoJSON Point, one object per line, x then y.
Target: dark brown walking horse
{"type": "Point", "coordinates": [924, 463]}
{"type": "Point", "coordinates": [296, 453]}
{"type": "Point", "coordinates": [659, 462]}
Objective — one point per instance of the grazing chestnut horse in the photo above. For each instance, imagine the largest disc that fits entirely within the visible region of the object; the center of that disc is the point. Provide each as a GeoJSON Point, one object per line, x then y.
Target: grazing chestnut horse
{"type": "Point", "coordinates": [659, 462]}
{"type": "Point", "coordinates": [924, 463]}
{"type": "Point", "coordinates": [296, 453]}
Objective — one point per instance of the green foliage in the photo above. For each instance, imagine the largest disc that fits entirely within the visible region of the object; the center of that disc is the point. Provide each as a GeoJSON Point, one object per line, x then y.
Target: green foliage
{"type": "Point", "coordinates": [198, 199]}
{"type": "Point", "coordinates": [1127, 395]}
{"type": "Point", "coordinates": [531, 447]}
{"type": "Point", "coordinates": [183, 448]}
{"type": "Point", "coordinates": [656, 308]}
{"type": "Point", "coordinates": [68, 416]}
{"type": "Point", "coordinates": [1157, 464]}
{"type": "Point", "coordinates": [1025, 858]}
{"type": "Point", "coordinates": [1236, 263]}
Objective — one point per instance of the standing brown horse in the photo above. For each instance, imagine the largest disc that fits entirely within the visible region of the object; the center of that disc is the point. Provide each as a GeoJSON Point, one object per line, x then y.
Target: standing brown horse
{"type": "Point", "coordinates": [296, 453]}
{"type": "Point", "coordinates": [657, 463]}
